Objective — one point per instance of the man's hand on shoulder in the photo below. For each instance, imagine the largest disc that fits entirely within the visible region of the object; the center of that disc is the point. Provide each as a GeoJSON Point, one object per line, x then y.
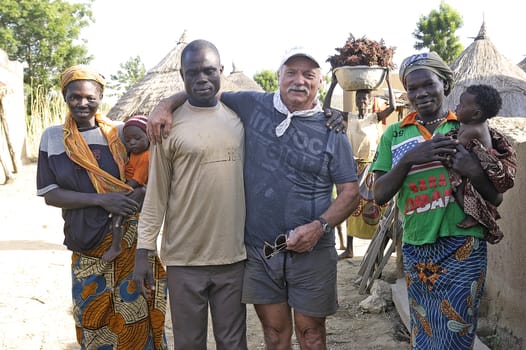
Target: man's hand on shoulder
{"type": "Point", "coordinates": [160, 119]}
{"type": "Point", "coordinates": [336, 119]}
{"type": "Point", "coordinates": [159, 122]}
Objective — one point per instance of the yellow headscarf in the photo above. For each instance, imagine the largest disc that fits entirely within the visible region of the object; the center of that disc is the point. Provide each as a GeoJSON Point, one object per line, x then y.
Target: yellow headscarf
{"type": "Point", "coordinates": [78, 150]}
{"type": "Point", "coordinates": [80, 72]}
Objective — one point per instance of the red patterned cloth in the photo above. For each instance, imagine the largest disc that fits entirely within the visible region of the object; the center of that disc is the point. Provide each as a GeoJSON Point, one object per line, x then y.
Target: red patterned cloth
{"type": "Point", "coordinates": [500, 165]}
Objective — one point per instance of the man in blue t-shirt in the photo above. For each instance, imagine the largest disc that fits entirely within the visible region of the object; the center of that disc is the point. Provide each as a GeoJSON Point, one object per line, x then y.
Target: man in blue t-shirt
{"type": "Point", "coordinates": [292, 162]}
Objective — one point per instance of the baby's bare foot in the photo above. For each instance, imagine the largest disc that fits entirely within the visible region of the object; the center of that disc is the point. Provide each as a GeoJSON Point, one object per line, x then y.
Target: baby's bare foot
{"type": "Point", "coordinates": [468, 222]}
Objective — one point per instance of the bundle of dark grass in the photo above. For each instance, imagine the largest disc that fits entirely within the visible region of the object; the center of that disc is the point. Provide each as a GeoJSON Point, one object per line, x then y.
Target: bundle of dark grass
{"type": "Point", "coordinates": [363, 52]}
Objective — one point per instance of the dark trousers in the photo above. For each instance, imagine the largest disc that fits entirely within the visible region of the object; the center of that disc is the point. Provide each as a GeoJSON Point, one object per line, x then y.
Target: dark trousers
{"type": "Point", "coordinates": [192, 289]}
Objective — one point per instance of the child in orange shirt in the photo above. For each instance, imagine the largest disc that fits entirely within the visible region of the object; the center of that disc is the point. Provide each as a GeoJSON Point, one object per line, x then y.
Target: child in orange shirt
{"type": "Point", "coordinates": [136, 172]}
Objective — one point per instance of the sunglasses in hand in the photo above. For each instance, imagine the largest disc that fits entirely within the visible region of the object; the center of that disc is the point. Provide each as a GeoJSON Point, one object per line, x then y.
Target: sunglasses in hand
{"type": "Point", "coordinates": [280, 244]}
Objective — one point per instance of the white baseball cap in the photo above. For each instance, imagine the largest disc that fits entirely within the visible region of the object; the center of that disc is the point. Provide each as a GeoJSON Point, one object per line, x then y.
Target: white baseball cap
{"type": "Point", "coordinates": [295, 52]}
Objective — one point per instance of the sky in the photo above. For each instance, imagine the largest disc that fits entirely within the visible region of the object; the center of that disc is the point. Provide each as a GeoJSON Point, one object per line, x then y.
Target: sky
{"type": "Point", "coordinates": [254, 35]}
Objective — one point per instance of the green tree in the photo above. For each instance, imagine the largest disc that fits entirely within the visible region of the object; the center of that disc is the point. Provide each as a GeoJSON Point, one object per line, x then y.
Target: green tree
{"type": "Point", "coordinates": [130, 72]}
{"type": "Point", "coordinates": [267, 79]}
{"type": "Point", "coordinates": [437, 32]}
{"type": "Point", "coordinates": [45, 35]}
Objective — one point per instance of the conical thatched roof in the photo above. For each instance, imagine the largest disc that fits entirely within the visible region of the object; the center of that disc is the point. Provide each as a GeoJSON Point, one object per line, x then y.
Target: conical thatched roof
{"type": "Point", "coordinates": [522, 64]}
{"type": "Point", "coordinates": [481, 63]}
{"type": "Point", "coordinates": [237, 80]}
{"type": "Point", "coordinates": [162, 81]}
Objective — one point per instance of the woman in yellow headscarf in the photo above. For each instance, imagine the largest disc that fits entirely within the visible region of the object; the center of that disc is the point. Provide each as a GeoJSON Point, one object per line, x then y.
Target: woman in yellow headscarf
{"type": "Point", "coordinates": [81, 170]}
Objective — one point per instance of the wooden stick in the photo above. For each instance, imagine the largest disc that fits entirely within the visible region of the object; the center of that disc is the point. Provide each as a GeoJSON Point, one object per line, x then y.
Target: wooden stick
{"type": "Point", "coordinates": [8, 139]}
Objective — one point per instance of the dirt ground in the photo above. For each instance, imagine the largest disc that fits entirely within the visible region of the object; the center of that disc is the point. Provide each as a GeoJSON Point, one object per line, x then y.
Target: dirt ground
{"type": "Point", "coordinates": [35, 300]}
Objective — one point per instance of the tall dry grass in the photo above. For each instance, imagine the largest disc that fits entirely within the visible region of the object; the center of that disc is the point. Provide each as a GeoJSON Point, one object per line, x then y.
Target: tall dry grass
{"type": "Point", "coordinates": [47, 109]}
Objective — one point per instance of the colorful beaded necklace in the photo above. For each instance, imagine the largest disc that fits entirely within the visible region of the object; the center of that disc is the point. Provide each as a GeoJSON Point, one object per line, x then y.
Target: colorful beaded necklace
{"type": "Point", "coordinates": [421, 122]}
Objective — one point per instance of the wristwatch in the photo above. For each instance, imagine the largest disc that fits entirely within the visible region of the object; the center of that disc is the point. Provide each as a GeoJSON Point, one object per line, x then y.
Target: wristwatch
{"type": "Point", "coordinates": [325, 227]}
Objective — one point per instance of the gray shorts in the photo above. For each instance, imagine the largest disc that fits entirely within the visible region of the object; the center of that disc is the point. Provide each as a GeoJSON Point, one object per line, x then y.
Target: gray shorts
{"type": "Point", "coordinates": [306, 281]}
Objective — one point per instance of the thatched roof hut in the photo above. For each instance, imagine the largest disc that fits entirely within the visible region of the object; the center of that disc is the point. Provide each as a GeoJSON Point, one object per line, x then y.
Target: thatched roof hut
{"type": "Point", "coordinates": [159, 82]}
{"type": "Point", "coordinates": [164, 80]}
{"type": "Point", "coordinates": [237, 80]}
{"type": "Point", "coordinates": [481, 63]}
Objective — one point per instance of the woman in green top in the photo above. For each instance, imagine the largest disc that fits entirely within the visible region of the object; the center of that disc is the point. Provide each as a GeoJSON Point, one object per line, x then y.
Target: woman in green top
{"type": "Point", "coordinates": [445, 265]}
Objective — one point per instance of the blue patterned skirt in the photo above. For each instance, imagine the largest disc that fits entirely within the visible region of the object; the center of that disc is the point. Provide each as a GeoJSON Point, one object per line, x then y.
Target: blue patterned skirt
{"type": "Point", "coordinates": [445, 282]}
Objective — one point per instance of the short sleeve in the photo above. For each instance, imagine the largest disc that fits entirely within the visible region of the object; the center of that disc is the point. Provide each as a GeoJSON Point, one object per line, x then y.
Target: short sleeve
{"type": "Point", "coordinates": [383, 159]}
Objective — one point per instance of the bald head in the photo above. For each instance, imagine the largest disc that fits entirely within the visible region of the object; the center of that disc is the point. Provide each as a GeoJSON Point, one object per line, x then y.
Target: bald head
{"type": "Point", "coordinates": [201, 71]}
{"type": "Point", "coordinates": [196, 46]}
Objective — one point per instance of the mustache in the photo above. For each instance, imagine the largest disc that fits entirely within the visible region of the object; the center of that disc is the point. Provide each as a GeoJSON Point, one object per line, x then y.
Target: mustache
{"type": "Point", "coordinates": [298, 88]}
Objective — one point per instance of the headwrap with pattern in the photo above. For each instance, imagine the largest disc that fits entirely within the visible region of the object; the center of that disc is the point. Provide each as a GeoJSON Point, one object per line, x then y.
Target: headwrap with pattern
{"type": "Point", "coordinates": [430, 61]}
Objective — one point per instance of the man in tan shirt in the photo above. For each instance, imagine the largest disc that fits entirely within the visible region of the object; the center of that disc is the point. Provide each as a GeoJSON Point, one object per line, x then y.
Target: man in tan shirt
{"type": "Point", "coordinates": [196, 191]}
